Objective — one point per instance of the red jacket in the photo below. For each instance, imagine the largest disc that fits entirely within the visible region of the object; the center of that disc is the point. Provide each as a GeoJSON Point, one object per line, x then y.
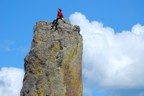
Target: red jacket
{"type": "Point", "coordinates": [60, 15]}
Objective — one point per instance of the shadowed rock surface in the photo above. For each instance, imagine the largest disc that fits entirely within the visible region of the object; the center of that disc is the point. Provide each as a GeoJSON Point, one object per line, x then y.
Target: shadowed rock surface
{"type": "Point", "coordinates": [53, 67]}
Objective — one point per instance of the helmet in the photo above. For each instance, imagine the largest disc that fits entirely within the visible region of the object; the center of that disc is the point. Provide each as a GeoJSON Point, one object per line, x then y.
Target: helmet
{"type": "Point", "coordinates": [59, 9]}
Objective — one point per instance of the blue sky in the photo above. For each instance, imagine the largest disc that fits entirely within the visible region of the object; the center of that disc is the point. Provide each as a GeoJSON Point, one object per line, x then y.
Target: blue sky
{"type": "Point", "coordinates": [19, 17]}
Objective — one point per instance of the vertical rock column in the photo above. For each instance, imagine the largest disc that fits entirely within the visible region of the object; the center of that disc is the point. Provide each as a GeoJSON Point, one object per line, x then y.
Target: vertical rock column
{"type": "Point", "coordinates": [53, 67]}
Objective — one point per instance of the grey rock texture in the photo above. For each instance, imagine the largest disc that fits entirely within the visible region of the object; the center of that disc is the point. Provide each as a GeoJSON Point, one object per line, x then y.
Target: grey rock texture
{"type": "Point", "coordinates": [53, 67]}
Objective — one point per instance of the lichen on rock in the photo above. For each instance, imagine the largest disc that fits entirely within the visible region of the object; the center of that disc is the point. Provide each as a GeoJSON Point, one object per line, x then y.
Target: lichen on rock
{"type": "Point", "coordinates": [53, 67]}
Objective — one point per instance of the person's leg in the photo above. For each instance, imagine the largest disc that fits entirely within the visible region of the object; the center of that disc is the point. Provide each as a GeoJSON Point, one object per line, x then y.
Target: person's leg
{"type": "Point", "coordinates": [53, 24]}
{"type": "Point", "coordinates": [57, 20]}
{"type": "Point", "coordinates": [56, 23]}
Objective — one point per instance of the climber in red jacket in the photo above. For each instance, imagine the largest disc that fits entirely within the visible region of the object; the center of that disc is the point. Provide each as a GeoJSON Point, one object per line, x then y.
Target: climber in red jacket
{"type": "Point", "coordinates": [59, 16]}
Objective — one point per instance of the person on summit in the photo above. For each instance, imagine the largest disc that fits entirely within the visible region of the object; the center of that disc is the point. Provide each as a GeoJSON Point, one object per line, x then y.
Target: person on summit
{"type": "Point", "coordinates": [59, 16]}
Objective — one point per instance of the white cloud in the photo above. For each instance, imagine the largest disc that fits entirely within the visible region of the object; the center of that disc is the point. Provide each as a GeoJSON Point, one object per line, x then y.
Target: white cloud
{"type": "Point", "coordinates": [10, 81]}
{"type": "Point", "coordinates": [110, 59]}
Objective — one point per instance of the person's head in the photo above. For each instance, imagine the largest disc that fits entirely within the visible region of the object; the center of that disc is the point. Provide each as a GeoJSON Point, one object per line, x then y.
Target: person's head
{"type": "Point", "coordinates": [59, 10]}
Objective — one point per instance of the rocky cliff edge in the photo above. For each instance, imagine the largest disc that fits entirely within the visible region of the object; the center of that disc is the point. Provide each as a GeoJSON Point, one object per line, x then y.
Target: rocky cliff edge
{"type": "Point", "coordinates": [53, 67]}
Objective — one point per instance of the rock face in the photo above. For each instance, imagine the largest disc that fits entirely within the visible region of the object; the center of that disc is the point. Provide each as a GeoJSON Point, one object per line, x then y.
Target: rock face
{"type": "Point", "coordinates": [53, 66]}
